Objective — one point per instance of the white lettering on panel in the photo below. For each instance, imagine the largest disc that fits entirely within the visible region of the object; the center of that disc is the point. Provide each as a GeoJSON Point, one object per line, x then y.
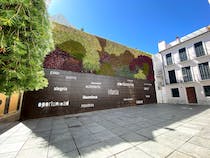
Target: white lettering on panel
{"type": "Point", "coordinates": [125, 84]}
{"type": "Point", "coordinates": [147, 96]}
{"type": "Point", "coordinates": [60, 89]}
{"type": "Point", "coordinates": [54, 73]}
{"type": "Point", "coordinates": [139, 101]}
{"type": "Point", "coordinates": [87, 105]}
{"type": "Point", "coordinates": [147, 84]}
{"type": "Point", "coordinates": [96, 83]}
{"type": "Point", "coordinates": [146, 88]}
{"type": "Point", "coordinates": [113, 92]}
{"type": "Point", "coordinates": [89, 97]}
{"type": "Point", "coordinates": [53, 104]}
{"type": "Point", "coordinates": [71, 77]}
{"type": "Point", "coordinates": [93, 86]}
{"type": "Point", "coordinates": [128, 99]}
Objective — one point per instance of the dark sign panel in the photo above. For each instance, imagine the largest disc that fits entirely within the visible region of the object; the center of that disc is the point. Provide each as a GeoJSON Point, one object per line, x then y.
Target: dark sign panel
{"type": "Point", "coordinates": [71, 92]}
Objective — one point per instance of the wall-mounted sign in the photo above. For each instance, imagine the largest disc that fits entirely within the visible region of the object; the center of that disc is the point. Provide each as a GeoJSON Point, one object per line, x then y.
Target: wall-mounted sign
{"type": "Point", "coordinates": [71, 92]}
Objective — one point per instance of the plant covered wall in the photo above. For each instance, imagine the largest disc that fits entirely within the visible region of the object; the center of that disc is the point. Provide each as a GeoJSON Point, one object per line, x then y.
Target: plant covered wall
{"type": "Point", "coordinates": [96, 55]}
{"type": "Point", "coordinates": [25, 39]}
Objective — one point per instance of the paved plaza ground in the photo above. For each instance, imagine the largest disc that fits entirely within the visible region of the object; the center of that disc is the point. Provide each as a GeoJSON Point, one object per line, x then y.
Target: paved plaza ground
{"type": "Point", "coordinates": [158, 130]}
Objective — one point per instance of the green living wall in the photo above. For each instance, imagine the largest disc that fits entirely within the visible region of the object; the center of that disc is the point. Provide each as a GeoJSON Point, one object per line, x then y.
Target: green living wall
{"type": "Point", "coordinates": [25, 39]}
{"type": "Point", "coordinates": [81, 52]}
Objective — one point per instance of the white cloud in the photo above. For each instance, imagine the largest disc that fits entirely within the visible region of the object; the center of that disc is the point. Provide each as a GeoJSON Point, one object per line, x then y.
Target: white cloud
{"type": "Point", "coordinates": [209, 1]}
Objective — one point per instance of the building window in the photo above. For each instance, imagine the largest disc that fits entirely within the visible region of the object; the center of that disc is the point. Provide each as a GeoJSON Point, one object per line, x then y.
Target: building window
{"type": "Point", "coordinates": [169, 59]}
{"type": "Point", "coordinates": [175, 92]}
{"type": "Point", "coordinates": [172, 76]}
{"type": "Point", "coordinates": [207, 90]}
{"type": "Point", "coordinates": [182, 54]}
{"type": "Point", "coordinates": [187, 76]}
{"type": "Point", "coordinates": [199, 49]}
{"type": "Point", "coordinates": [204, 71]}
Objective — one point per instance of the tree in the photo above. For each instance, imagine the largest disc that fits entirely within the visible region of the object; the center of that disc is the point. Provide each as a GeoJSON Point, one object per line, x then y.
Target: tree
{"type": "Point", "coordinates": [25, 39]}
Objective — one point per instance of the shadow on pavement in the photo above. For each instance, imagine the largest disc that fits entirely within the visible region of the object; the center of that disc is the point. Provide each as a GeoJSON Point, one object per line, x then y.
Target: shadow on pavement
{"type": "Point", "coordinates": [142, 130]}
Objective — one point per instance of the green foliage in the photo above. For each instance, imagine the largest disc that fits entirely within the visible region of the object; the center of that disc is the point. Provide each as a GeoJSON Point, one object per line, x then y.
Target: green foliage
{"type": "Point", "coordinates": [74, 48]}
{"type": "Point", "coordinates": [140, 75]}
{"type": "Point", "coordinates": [62, 33]}
{"type": "Point", "coordinates": [118, 49]}
{"type": "Point", "coordinates": [25, 39]}
{"type": "Point", "coordinates": [106, 69]}
{"type": "Point", "coordinates": [146, 69]}
{"type": "Point", "coordinates": [91, 61]}
{"type": "Point", "coordinates": [124, 71]}
{"type": "Point", "coordinates": [73, 41]}
{"type": "Point", "coordinates": [142, 72]}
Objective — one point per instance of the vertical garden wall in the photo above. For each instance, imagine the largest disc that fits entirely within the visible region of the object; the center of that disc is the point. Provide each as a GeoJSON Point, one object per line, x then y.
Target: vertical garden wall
{"type": "Point", "coordinates": [99, 74]}
{"type": "Point", "coordinates": [81, 52]}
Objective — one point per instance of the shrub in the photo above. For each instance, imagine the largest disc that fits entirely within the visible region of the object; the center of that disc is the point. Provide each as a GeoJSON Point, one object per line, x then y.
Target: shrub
{"type": "Point", "coordinates": [25, 40]}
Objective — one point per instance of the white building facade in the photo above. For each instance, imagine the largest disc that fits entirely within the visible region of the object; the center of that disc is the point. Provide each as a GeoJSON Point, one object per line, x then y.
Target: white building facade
{"type": "Point", "coordinates": [182, 69]}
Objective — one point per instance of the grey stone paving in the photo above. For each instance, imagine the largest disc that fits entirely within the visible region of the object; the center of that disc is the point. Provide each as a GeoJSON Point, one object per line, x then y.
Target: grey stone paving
{"type": "Point", "coordinates": [161, 130]}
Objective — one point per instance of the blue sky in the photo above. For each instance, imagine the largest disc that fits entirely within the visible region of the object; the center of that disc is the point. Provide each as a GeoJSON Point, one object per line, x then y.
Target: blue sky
{"type": "Point", "coordinates": [138, 24]}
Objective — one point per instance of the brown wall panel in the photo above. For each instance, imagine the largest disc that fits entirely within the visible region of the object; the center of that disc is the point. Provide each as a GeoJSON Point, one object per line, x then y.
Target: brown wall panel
{"type": "Point", "coordinates": [71, 92]}
{"type": "Point", "coordinates": [13, 102]}
{"type": "Point", "coordinates": [2, 103]}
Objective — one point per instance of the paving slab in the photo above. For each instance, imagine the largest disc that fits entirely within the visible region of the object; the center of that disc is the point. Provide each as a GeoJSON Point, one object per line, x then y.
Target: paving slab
{"type": "Point", "coordinates": [154, 130]}
{"type": "Point", "coordinates": [134, 138]}
{"type": "Point", "coordinates": [155, 149]}
{"type": "Point", "coordinates": [57, 148]}
{"type": "Point", "coordinates": [177, 154]}
{"type": "Point", "coordinates": [98, 150]}
{"type": "Point", "coordinates": [8, 155]}
{"type": "Point", "coordinates": [202, 142]}
{"type": "Point", "coordinates": [133, 153]}
{"type": "Point", "coordinates": [32, 153]}
{"type": "Point", "coordinates": [195, 150]}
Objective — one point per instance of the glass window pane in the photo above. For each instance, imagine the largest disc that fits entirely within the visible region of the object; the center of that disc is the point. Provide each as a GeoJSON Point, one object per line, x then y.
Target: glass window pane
{"type": "Point", "coordinates": [169, 59]}
{"type": "Point", "coordinates": [199, 49]}
{"type": "Point", "coordinates": [204, 71]}
{"type": "Point", "coordinates": [182, 54]}
{"type": "Point", "coordinates": [207, 90]}
{"type": "Point", "coordinates": [175, 92]}
{"type": "Point", "coordinates": [186, 72]}
{"type": "Point", "coordinates": [172, 76]}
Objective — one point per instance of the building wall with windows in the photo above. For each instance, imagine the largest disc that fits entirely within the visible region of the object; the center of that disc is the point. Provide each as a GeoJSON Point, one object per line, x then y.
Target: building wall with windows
{"type": "Point", "coordinates": [185, 69]}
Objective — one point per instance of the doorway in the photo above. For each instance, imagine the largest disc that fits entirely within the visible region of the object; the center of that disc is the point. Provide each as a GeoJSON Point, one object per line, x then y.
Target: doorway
{"type": "Point", "coordinates": [191, 95]}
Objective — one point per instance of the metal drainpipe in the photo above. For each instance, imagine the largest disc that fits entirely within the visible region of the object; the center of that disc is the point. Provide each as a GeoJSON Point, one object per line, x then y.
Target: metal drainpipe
{"type": "Point", "coordinates": [164, 76]}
